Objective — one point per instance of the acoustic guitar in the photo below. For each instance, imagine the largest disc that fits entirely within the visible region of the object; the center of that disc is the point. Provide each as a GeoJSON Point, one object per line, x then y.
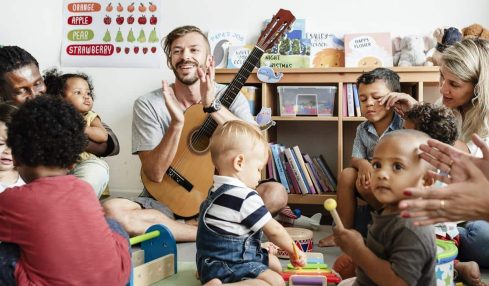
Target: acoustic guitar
{"type": "Point", "coordinates": [189, 177]}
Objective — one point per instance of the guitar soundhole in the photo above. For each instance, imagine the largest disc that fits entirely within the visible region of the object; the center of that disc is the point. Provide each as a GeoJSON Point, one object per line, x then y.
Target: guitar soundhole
{"type": "Point", "coordinates": [199, 142]}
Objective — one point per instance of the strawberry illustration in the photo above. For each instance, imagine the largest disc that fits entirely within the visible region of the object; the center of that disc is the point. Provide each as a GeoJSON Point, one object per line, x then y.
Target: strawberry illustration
{"type": "Point", "coordinates": [118, 49]}
{"type": "Point", "coordinates": [145, 50]}
{"type": "Point", "coordinates": [153, 50]}
{"type": "Point", "coordinates": [136, 50]}
{"type": "Point", "coordinates": [126, 50]}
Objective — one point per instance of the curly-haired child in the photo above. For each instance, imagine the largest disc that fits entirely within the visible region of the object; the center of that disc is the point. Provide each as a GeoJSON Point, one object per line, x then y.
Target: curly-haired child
{"type": "Point", "coordinates": [53, 228]}
{"type": "Point", "coordinates": [9, 177]}
{"type": "Point", "coordinates": [77, 89]}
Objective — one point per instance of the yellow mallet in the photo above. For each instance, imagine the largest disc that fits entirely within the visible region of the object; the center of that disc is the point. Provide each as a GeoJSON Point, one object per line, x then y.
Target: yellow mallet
{"type": "Point", "coordinates": [330, 205]}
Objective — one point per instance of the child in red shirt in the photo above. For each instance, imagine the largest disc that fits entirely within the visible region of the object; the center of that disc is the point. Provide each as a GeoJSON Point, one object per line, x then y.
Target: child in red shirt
{"type": "Point", "coordinates": [53, 228]}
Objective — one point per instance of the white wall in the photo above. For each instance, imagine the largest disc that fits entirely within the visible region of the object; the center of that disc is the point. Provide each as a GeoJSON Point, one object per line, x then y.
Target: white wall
{"type": "Point", "coordinates": [36, 26]}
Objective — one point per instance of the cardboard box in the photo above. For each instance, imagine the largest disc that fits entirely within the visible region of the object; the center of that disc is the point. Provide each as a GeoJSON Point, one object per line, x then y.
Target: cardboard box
{"type": "Point", "coordinates": [306, 100]}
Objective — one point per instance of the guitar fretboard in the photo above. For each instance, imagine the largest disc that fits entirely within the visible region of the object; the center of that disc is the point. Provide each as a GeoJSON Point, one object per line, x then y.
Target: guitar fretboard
{"type": "Point", "coordinates": [234, 87]}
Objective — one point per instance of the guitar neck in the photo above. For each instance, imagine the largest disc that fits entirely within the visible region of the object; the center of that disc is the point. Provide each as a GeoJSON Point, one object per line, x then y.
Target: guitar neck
{"type": "Point", "coordinates": [234, 87]}
{"type": "Point", "coordinates": [239, 80]}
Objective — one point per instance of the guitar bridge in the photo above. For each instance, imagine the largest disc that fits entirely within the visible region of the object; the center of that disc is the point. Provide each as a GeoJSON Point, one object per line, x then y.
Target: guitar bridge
{"type": "Point", "coordinates": [179, 179]}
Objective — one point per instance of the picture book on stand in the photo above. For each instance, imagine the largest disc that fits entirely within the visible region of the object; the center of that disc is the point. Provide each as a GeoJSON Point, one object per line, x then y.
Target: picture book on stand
{"type": "Point", "coordinates": [220, 41]}
{"type": "Point", "coordinates": [368, 50]}
{"type": "Point", "coordinates": [327, 50]}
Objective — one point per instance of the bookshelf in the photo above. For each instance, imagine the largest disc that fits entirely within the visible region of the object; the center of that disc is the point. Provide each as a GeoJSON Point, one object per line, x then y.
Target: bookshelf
{"type": "Point", "coordinates": [331, 136]}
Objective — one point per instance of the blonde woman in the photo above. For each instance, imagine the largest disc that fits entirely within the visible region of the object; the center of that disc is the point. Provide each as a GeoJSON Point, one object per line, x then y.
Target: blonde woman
{"type": "Point", "coordinates": [464, 87]}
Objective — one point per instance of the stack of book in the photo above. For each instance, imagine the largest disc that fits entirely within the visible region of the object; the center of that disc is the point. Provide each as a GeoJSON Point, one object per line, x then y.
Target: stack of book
{"type": "Point", "coordinates": [300, 173]}
{"type": "Point", "coordinates": [351, 102]}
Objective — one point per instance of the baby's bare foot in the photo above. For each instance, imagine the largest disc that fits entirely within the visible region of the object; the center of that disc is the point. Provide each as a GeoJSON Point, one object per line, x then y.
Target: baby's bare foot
{"type": "Point", "coordinates": [327, 241]}
{"type": "Point", "coordinates": [469, 273]}
{"type": "Point", "coordinates": [213, 282]}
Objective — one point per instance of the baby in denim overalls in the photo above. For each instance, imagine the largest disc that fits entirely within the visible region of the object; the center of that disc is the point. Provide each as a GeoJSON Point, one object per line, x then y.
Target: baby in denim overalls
{"type": "Point", "coordinates": [233, 215]}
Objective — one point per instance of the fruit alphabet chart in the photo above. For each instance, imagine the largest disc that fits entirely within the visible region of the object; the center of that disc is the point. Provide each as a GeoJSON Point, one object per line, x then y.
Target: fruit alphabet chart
{"type": "Point", "coordinates": [112, 33]}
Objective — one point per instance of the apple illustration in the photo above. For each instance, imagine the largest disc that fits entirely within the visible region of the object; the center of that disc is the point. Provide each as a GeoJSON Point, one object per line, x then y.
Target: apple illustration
{"type": "Point", "coordinates": [120, 8]}
{"type": "Point", "coordinates": [126, 50]}
{"type": "Point", "coordinates": [119, 20]}
{"type": "Point", "coordinates": [142, 8]}
{"type": "Point", "coordinates": [145, 50]}
{"type": "Point", "coordinates": [107, 20]}
{"type": "Point", "coordinates": [130, 19]}
{"type": "Point", "coordinates": [118, 49]}
{"type": "Point", "coordinates": [153, 50]}
{"type": "Point", "coordinates": [136, 50]}
{"type": "Point", "coordinates": [142, 20]}
{"type": "Point", "coordinates": [130, 8]}
{"type": "Point", "coordinates": [153, 20]}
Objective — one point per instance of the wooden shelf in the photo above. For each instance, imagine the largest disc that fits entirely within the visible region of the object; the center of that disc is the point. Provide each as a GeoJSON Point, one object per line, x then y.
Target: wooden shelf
{"type": "Point", "coordinates": [331, 136]}
{"type": "Point", "coordinates": [310, 199]}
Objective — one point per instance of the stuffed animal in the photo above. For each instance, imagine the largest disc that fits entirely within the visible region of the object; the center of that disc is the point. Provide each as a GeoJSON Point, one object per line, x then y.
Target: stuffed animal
{"type": "Point", "coordinates": [475, 31]}
{"type": "Point", "coordinates": [445, 37]}
{"type": "Point", "coordinates": [412, 50]}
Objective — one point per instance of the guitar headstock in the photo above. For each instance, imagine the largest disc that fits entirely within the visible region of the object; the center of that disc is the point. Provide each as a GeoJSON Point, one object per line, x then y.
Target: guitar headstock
{"type": "Point", "coordinates": [278, 26]}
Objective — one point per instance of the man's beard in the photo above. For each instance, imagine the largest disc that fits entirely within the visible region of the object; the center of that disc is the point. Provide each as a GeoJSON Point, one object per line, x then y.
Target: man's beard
{"type": "Point", "coordinates": [188, 79]}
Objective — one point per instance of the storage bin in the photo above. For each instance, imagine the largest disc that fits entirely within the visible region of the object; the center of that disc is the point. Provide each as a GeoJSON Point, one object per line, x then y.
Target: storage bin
{"type": "Point", "coordinates": [306, 100]}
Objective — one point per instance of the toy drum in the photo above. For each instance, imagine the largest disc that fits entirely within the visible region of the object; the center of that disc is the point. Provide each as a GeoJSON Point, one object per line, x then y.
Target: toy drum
{"type": "Point", "coordinates": [302, 238]}
{"type": "Point", "coordinates": [446, 252]}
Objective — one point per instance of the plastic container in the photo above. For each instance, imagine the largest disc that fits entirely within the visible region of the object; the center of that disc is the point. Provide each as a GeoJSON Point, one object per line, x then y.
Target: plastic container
{"type": "Point", "coordinates": [306, 100]}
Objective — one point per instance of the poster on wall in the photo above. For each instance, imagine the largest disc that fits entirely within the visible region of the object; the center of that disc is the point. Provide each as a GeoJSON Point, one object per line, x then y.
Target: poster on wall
{"type": "Point", "coordinates": [122, 33]}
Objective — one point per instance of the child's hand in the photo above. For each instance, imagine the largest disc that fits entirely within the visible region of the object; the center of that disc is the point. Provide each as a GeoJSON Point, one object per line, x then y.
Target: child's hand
{"type": "Point", "coordinates": [298, 260]}
{"type": "Point", "coordinates": [270, 247]}
{"type": "Point", "coordinates": [348, 240]}
{"type": "Point", "coordinates": [401, 102]}
{"type": "Point", "coordinates": [365, 171]}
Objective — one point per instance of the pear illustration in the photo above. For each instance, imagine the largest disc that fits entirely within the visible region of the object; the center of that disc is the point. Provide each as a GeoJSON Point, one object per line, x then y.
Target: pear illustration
{"type": "Point", "coordinates": [119, 37]}
{"type": "Point", "coordinates": [142, 36]}
{"type": "Point", "coordinates": [153, 38]}
{"type": "Point", "coordinates": [130, 37]}
{"type": "Point", "coordinates": [107, 36]}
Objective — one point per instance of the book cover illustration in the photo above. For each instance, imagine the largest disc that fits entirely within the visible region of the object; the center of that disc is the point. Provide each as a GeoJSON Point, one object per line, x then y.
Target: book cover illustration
{"type": "Point", "coordinates": [368, 50]}
{"type": "Point", "coordinates": [237, 55]}
{"type": "Point", "coordinates": [220, 41]}
{"type": "Point", "coordinates": [327, 50]}
{"type": "Point", "coordinates": [290, 52]}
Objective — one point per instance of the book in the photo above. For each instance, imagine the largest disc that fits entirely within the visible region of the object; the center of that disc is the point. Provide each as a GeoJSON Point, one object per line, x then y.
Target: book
{"type": "Point", "coordinates": [319, 179]}
{"type": "Point", "coordinates": [292, 51]}
{"type": "Point", "coordinates": [298, 154]}
{"type": "Point", "coordinates": [322, 175]}
{"type": "Point", "coordinates": [327, 50]}
{"type": "Point", "coordinates": [327, 170]}
{"type": "Point", "coordinates": [317, 187]}
{"type": "Point", "coordinates": [279, 166]}
{"type": "Point", "coordinates": [356, 100]}
{"type": "Point", "coordinates": [368, 50]}
{"type": "Point", "coordinates": [220, 41]}
{"type": "Point", "coordinates": [345, 101]}
{"type": "Point", "coordinates": [297, 173]}
{"type": "Point", "coordinates": [294, 186]}
{"type": "Point", "coordinates": [237, 55]}
{"type": "Point", "coordinates": [349, 98]}
{"type": "Point", "coordinates": [284, 161]}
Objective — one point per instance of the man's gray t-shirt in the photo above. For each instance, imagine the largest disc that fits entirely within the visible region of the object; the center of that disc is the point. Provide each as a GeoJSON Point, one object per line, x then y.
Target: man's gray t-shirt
{"type": "Point", "coordinates": [151, 118]}
{"type": "Point", "coordinates": [410, 250]}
